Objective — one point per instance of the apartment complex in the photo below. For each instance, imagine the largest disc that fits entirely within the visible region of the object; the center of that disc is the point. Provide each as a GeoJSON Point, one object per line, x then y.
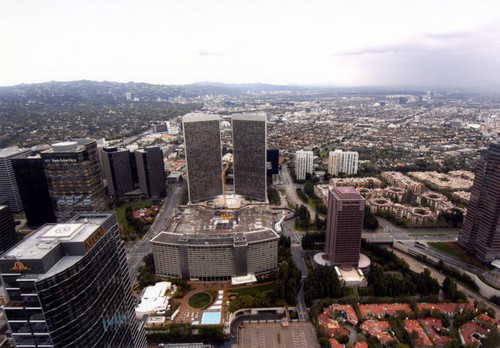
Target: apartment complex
{"type": "Point", "coordinates": [203, 156]}
{"type": "Point", "coordinates": [480, 236]}
{"type": "Point", "coordinates": [68, 286]}
{"type": "Point", "coordinates": [8, 185]}
{"type": "Point", "coordinates": [303, 164]}
{"type": "Point", "coordinates": [345, 162]}
{"type": "Point", "coordinates": [74, 178]}
{"type": "Point", "coordinates": [346, 209]}
{"type": "Point", "coordinates": [249, 151]}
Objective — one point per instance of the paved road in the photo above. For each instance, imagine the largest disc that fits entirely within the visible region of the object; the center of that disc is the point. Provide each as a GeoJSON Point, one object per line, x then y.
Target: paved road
{"type": "Point", "coordinates": [291, 192]}
{"type": "Point", "coordinates": [143, 247]}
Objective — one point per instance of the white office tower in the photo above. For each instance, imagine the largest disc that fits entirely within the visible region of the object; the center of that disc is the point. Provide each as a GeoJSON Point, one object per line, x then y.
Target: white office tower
{"type": "Point", "coordinates": [343, 162]}
{"type": "Point", "coordinates": [303, 164]}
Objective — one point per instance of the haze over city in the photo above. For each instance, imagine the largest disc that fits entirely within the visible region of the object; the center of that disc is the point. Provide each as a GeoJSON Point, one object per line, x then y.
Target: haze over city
{"type": "Point", "coordinates": [340, 43]}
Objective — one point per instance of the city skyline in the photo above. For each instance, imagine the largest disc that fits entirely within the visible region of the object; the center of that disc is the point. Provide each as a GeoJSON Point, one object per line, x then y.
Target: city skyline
{"type": "Point", "coordinates": [447, 43]}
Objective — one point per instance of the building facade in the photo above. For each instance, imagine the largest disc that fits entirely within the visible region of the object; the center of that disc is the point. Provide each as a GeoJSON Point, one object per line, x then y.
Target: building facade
{"type": "Point", "coordinates": [346, 209]}
{"type": "Point", "coordinates": [33, 188]}
{"type": "Point", "coordinates": [303, 164]}
{"type": "Point", "coordinates": [273, 162]}
{"type": "Point", "coordinates": [8, 184]}
{"type": "Point", "coordinates": [215, 257]}
{"type": "Point", "coordinates": [8, 236]}
{"type": "Point", "coordinates": [117, 171]}
{"type": "Point", "coordinates": [74, 178]}
{"type": "Point", "coordinates": [203, 156]}
{"type": "Point", "coordinates": [480, 236]}
{"type": "Point", "coordinates": [68, 286]}
{"type": "Point", "coordinates": [151, 171]}
{"type": "Point", "coordinates": [249, 155]}
{"type": "Point", "coordinates": [343, 162]}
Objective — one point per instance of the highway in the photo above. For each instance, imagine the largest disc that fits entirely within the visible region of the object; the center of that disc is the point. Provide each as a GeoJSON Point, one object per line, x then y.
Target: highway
{"type": "Point", "coordinates": [143, 247]}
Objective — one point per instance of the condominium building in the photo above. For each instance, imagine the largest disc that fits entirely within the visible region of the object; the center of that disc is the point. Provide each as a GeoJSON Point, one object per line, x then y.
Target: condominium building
{"type": "Point", "coordinates": [117, 171]}
{"type": "Point", "coordinates": [33, 188]}
{"type": "Point", "coordinates": [303, 164]}
{"type": "Point", "coordinates": [343, 162]}
{"type": "Point", "coordinates": [8, 236]}
{"type": "Point", "coordinates": [203, 156]}
{"type": "Point", "coordinates": [74, 178]}
{"type": "Point", "coordinates": [8, 184]}
{"type": "Point", "coordinates": [68, 286]}
{"type": "Point", "coordinates": [346, 209]}
{"type": "Point", "coordinates": [151, 171]}
{"type": "Point", "coordinates": [480, 236]}
{"type": "Point", "coordinates": [249, 155]}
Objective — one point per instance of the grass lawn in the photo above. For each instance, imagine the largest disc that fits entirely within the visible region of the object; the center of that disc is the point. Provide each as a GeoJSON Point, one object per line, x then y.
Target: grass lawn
{"type": "Point", "coordinates": [445, 247]}
{"type": "Point", "coordinates": [200, 300]}
{"type": "Point", "coordinates": [253, 290]}
{"type": "Point", "coordinates": [120, 213]}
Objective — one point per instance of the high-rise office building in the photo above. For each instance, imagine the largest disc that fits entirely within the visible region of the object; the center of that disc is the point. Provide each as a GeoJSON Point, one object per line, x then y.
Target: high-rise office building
{"type": "Point", "coordinates": [74, 178]}
{"type": "Point", "coordinates": [8, 184]}
{"type": "Point", "coordinates": [117, 171]}
{"type": "Point", "coordinates": [32, 183]}
{"type": "Point", "coordinates": [346, 210]}
{"type": "Point", "coordinates": [151, 171]}
{"type": "Point", "coordinates": [68, 286]}
{"type": "Point", "coordinates": [273, 162]}
{"type": "Point", "coordinates": [8, 236]}
{"type": "Point", "coordinates": [480, 236]}
{"type": "Point", "coordinates": [303, 164]}
{"type": "Point", "coordinates": [249, 155]}
{"type": "Point", "coordinates": [343, 162]}
{"type": "Point", "coordinates": [203, 155]}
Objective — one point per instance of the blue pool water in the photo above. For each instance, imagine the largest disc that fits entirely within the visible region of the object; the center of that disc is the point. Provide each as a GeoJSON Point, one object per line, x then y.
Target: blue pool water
{"type": "Point", "coordinates": [210, 318]}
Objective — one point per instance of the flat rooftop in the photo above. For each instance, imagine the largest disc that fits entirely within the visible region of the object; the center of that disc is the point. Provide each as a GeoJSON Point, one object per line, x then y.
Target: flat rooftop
{"type": "Point", "coordinates": [47, 237]}
{"type": "Point", "coordinates": [272, 334]}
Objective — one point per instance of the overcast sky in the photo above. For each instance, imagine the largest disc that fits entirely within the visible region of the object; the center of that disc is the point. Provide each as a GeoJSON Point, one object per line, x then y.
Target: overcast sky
{"type": "Point", "coordinates": [342, 43]}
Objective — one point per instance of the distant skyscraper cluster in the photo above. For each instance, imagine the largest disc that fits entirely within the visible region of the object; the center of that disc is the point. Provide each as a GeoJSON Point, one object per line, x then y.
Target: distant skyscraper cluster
{"type": "Point", "coordinates": [204, 156]}
{"type": "Point", "coordinates": [480, 236]}
{"type": "Point", "coordinates": [303, 164]}
{"type": "Point", "coordinates": [345, 162]}
{"type": "Point", "coordinates": [55, 182]}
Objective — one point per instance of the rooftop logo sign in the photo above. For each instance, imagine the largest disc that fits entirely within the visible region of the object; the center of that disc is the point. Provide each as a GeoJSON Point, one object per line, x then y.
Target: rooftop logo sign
{"type": "Point", "coordinates": [19, 266]}
{"type": "Point", "coordinates": [94, 238]}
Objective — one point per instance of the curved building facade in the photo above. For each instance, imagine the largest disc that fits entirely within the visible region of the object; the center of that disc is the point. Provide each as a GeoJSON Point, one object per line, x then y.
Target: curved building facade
{"type": "Point", "coordinates": [68, 286]}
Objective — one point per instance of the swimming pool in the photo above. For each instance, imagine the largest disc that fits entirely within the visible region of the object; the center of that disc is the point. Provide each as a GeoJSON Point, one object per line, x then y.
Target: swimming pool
{"type": "Point", "coordinates": [210, 318]}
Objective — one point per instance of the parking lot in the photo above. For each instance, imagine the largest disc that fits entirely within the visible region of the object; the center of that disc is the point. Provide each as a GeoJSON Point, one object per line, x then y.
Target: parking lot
{"type": "Point", "coordinates": [273, 334]}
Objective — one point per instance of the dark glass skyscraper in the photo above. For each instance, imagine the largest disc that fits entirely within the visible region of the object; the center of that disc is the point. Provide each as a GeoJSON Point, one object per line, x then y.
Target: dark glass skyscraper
{"type": "Point", "coordinates": [249, 151]}
{"type": "Point", "coordinates": [203, 156]}
{"type": "Point", "coordinates": [480, 236]}
{"type": "Point", "coordinates": [117, 171]}
{"type": "Point", "coordinates": [74, 178]}
{"type": "Point", "coordinates": [8, 236]}
{"type": "Point", "coordinates": [151, 171]}
{"type": "Point", "coordinates": [68, 286]}
{"type": "Point", "coordinates": [273, 162]}
{"type": "Point", "coordinates": [8, 185]}
{"type": "Point", "coordinates": [33, 188]}
{"type": "Point", "coordinates": [346, 210]}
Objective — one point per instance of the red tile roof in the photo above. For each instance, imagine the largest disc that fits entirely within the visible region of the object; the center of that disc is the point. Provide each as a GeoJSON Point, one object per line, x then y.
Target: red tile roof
{"type": "Point", "coordinates": [361, 344]}
{"type": "Point", "coordinates": [335, 344]}
{"type": "Point", "coordinates": [434, 327]}
{"type": "Point", "coordinates": [378, 329]}
{"type": "Point", "coordinates": [372, 310]}
{"type": "Point", "coordinates": [423, 340]}
{"type": "Point", "coordinates": [332, 327]}
{"type": "Point", "coordinates": [467, 330]}
{"type": "Point", "coordinates": [445, 307]}
{"type": "Point", "coordinates": [349, 311]}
